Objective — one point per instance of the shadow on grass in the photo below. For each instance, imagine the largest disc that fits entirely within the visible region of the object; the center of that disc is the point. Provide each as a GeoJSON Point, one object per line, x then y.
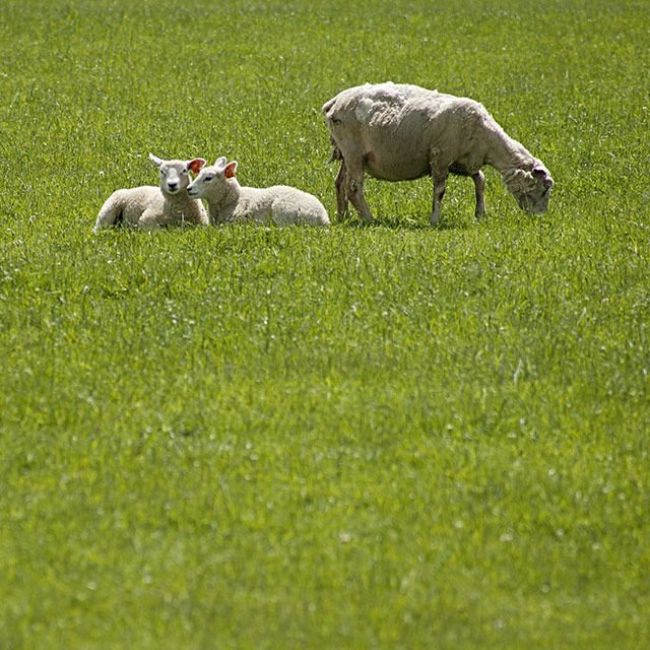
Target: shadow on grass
{"type": "Point", "coordinates": [353, 222]}
{"type": "Point", "coordinates": [450, 223]}
{"type": "Point", "coordinates": [402, 223]}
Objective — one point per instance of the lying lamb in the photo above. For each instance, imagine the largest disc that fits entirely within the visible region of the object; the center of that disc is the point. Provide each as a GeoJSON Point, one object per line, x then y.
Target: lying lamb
{"type": "Point", "coordinates": [150, 207]}
{"type": "Point", "coordinates": [228, 201]}
{"type": "Point", "coordinates": [400, 132]}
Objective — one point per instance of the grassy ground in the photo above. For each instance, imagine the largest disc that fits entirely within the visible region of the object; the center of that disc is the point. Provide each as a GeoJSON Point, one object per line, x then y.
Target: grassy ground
{"type": "Point", "coordinates": [392, 436]}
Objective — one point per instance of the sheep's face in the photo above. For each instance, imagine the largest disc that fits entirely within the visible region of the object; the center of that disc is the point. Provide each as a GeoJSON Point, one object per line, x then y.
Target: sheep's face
{"type": "Point", "coordinates": [212, 181]}
{"type": "Point", "coordinates": [531, 189]}
{"type": "Point", "coordinates": [174, 174]}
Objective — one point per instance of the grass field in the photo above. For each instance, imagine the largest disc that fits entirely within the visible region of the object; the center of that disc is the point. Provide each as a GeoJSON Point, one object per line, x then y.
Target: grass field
{"type": "Point", "coordinates": [367, 437]}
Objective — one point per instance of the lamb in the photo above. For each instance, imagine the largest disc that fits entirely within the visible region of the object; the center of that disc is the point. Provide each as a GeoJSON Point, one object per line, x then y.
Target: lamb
{"type": "Point", "coordinates": [228, 201]}
{"type": "Point", "coordinates": [399, 132]}
{"type": "Point", "coordinates": [149, 207]}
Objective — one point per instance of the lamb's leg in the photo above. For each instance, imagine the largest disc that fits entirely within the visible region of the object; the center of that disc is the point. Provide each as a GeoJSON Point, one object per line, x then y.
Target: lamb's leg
{"type": "Point", "coordinates": [439, 187]}
{"type": "Point", "coordinates": [150, 220]}
{"type": "Point", "coordinates": [479, 187]}
{"type": "Point", "coordinates": [341, 195]}
{"type": "Point", "coordinates": [109, 213]}
{"type": "Point", "coordinates": [354, 190]}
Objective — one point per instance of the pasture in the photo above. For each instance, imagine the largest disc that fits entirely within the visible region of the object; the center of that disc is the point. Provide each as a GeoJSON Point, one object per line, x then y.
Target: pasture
{"type": "Point", "coordinates": [392, 436]}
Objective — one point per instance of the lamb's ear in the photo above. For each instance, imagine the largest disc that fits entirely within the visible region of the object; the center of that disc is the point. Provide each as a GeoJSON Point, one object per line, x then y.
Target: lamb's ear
{"type": "Point", "coordinates": [195, 165]}
{"type": "Point", "coordinates": [155, 160]}
{"type": "Point", "coordinates": [231, 169]}
{"type": "Point", "coordinates": [220, 163]}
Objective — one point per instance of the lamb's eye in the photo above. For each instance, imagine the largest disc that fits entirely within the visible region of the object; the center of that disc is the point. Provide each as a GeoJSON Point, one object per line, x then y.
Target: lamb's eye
{"type": "Point", "coordinates": [335, 120]}
{"type": "Point", "coordinates": [207, 179]}
{"type": "Point", "coordinates": [184, 171]}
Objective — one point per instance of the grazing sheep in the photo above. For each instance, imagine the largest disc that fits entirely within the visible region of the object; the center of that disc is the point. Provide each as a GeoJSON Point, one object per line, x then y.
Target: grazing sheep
{"type": "Point", "coordinates": [399, 132]}
{"type": "Point", "coordinates": [150, 207]}
{"type": "Point", "coordinates": [229, 201]}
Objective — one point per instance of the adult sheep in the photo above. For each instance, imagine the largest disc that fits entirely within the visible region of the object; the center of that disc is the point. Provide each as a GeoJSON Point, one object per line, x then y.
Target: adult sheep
{"type": "Point", "coordinates": [399, 132]}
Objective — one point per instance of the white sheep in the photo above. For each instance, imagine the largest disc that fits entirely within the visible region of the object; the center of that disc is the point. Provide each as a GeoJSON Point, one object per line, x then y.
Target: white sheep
{"type": "Point", "coordinates": [399, 132]}
{"type": "Point", "coordinates": [150, 207]}
{"type": "Point", "coordinates": [228, 201]}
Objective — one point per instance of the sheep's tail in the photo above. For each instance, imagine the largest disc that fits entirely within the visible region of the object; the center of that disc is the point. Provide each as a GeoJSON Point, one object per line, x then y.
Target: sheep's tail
{"type": "Point", "coordinates": [336, 152]}
{"type": "Point", "coordinates": [327, 105]}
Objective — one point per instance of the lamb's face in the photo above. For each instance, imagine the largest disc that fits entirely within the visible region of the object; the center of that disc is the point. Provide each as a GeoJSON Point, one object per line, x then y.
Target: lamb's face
{"type": "Point", "coordinates": [174, 174]}
{"type": "Point", "coordinates": [212, 181]}
{"type": "Point", "coordinates": [532, 189]}
{"type": "Point", "coordinates": [208, 179]}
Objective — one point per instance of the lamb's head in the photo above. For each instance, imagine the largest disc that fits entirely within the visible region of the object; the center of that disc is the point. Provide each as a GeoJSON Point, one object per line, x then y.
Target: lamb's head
{"type": "Point", "coordinates": [174, 174]}
{"type": "Point", "coordinates": [530, 186]}
{"type": "Point", "coordinates": [214, 180]}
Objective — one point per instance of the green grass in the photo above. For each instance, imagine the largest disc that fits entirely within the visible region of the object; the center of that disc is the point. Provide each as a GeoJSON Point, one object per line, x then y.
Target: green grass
{"type": "Point", "coordinates": [382, 437]}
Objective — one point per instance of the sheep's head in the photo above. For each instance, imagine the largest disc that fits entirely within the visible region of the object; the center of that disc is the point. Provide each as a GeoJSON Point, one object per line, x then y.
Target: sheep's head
{"type": "Point", "coordinates": [174, 174]}
{"type": "Point", "coordinates": [213, 179]}
{"type": "Point", "coordinates": [532, 188]}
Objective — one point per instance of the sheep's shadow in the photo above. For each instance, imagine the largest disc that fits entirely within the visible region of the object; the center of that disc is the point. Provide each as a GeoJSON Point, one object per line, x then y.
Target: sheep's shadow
{"type": "Point", "coordinates": [400, 223]}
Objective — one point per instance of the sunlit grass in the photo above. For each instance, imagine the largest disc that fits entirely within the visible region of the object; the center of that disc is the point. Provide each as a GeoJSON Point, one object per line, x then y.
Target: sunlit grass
{"type": "Point", "coordinates": [386, 436]}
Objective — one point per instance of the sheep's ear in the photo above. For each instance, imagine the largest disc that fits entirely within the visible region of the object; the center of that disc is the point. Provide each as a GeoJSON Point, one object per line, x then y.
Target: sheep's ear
{"type": "Point", "coordinates": [231, 169]}
{"type": "Point", "coordinates": [220, 163]}
{"type": "Point", "coordinates": [195, 165]}
{"type": "Point", "coordinates": [155, 160]}
{"type": "Point", "coordinates": [542, 174]}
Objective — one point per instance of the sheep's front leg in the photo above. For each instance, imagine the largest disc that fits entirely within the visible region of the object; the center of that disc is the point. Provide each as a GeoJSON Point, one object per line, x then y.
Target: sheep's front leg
{"type": "Point", "coordinates": [439, 187]}
{"type": "Point", "coordinates": [354, 190]}
{"type": "Point", "coordinates": [479, 188]}
{"type": "Point", "coordinates": [341, 193]}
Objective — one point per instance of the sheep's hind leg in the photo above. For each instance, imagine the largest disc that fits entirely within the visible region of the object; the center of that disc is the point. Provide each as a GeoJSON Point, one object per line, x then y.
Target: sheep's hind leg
{"type": "Point", "coordinates": [354, 190]}
{"type": "Point", "coordinates": [109, 214]}
{"type": "Point", "coordinates": [439, 188]}
{"type": "Point", "coordinates": [341, 193]}
{"type": "Point", "coordinates": [479, 187]}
